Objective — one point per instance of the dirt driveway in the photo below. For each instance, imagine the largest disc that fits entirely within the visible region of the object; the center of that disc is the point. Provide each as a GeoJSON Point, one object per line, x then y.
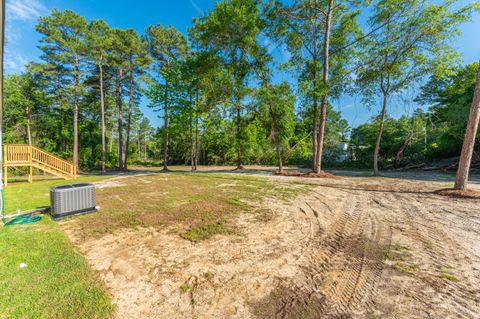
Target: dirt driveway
{"type": "Point", "coordinates": [352, 247]}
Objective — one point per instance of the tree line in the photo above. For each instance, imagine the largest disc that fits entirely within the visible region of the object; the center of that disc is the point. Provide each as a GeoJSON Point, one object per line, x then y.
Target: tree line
{"type": "Point", "coordinates": [216, 90]}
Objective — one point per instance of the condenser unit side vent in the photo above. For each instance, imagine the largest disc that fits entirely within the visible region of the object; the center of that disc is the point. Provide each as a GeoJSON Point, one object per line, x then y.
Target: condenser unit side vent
{"type": "Point", "coordinates": [67, 200]}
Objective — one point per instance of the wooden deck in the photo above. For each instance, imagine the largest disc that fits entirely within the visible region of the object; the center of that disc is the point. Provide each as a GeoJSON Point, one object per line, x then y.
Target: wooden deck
{"type": "Point", "coordinates": [19, 155]}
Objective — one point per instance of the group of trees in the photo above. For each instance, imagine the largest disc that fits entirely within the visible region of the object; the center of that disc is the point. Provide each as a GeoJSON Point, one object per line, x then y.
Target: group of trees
{"type": "Point", "coordinates": [215, 87]}
{"type": "Point", "coordinates": [424, 136]}
{"type": "Point", "coordinates": [67, 102]}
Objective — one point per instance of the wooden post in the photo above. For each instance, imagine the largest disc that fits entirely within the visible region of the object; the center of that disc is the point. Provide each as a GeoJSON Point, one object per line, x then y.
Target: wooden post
{"type": "Point", "coordinates": [4, 167]}
{"type": "Point", "coordinates": [30, 167]}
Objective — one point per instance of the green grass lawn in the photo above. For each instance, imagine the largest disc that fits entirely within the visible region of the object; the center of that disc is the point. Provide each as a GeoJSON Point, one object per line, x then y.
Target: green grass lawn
{"type": "Point", "coordinates": [25, 196]}
{"type": "Point", "coordinates": [56, 282]}
{"type": "Point", "coordinates": [196, 205]}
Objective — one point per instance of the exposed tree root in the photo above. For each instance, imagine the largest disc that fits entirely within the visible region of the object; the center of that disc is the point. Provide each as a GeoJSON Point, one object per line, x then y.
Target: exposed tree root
{"type": "Point", "coordinates": [322, 174]}
{"type": "Point", "coordinates": [464, 193]}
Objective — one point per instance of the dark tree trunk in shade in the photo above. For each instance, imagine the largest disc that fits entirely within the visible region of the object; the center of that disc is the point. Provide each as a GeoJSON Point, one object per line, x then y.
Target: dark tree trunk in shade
{"type": "Point", "coordinates": [376, 152]}
{"type": "Point", "coordinates": [401, 151]}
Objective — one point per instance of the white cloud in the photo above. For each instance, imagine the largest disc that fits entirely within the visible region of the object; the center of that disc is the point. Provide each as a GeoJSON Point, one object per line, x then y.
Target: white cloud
{"type": "Point", "coordinates": [14, 62]}
{"type": "Point", "coordinates": [24, 9]}
{"type": "Point", "coordinates": [197, 7]}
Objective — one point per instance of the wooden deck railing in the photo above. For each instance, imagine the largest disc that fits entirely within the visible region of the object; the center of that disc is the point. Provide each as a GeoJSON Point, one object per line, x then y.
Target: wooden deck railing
{"type": "Point", "coordinates": [52, 161]}
{"type": "Point", "coordinates": [17, 155]}
{"type": "Point", "coordinates": [28, 155]}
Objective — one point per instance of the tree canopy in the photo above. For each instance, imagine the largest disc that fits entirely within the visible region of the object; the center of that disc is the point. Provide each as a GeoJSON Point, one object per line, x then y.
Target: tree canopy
{"type": "Point", "coordinates": [218, 96]}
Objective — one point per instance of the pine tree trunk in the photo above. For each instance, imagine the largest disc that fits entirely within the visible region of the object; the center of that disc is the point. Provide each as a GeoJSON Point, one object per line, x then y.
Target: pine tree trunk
{"type": "Point", "coordinates": [196, 140]}
{"type": "Point", "coordinates": [315, 132]}
{"type": "Point", "coordinates": [75, 114]}
{"type": "Point", "coordinates": [139, 153]}
{"type": "Point", "coordinates": [166, 127]}
{"type": "Point", "coordinates": [469, 139]}
{"type": "Point", "coordinates": [315, 111]}
{"type": "Point", "coordinates": [376, 152]}
{"type": "Point", "coordinates": [323, 108]}
{"type": "Point", "coordinates": [29, 120]}
{"type": "Point", "coordinates": [239, 136]}
{"type": "Point", "coordinates": [129, 119]}
{"type": "Point", "coordinates": [119, 94]}
{"type": "Point", "coordinates": [102, 106]}
{"type": "Point", "coordinates": [192, 140]}
{"type": "Point", "coordinates": [280, 161]}
{"type": "Point", "coordinates": [278, 146]}
{"type": "Point", "coordinates": [196, 131]}
{"type": "Point", "coordinates": [145, 147]}
{"type": "Point", "coordinates": [110, 147]}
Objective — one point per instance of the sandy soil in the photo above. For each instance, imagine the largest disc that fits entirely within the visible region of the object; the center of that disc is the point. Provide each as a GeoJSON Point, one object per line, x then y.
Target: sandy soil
{"type": "Point", "coordinates": [352, 247]}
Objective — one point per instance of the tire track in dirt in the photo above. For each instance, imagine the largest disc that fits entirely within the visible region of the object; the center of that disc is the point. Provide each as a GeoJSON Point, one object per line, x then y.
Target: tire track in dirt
{"type": "Point", "coordinates": [304, 296]}
{"type": "Point", "coordinates": [355, 285]}
{"type": "Point", "coordinates": [445, 250]}
{"type": "Point", "coordinates": [441, 250]}
{"type": "Point", "coordinates": [343, 269]}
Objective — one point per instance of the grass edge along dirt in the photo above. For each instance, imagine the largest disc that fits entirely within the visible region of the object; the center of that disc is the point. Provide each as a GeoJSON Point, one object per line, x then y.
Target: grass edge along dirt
{"type": "Point", "coordinates": [26, 196]}
{"type": "Point", "coordinates": [42, 275]}
{"type": "Point", "coordinates": [198, 205]}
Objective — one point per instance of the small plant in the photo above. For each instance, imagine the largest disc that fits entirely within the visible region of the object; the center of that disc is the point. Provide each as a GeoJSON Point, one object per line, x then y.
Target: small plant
{"type": "Point", "coordinates": [186, 288]}
{"type": "Point", "coordinates": [394, 252]}
{"type": "Point", "coordinates": [405, 268]}
{"type": "Point", "coordinates": [388, 253]}
{"type": "Point", "coordinates": [447, 275]}
{"type": "Point", "coordinates": [208, 275]}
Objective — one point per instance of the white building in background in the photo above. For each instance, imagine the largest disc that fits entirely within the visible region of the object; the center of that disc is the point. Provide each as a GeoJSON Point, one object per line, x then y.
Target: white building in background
{"type": "Point", "coordinates": [342, 152]}
{"type": "Point", "coordinates": [339, 153]}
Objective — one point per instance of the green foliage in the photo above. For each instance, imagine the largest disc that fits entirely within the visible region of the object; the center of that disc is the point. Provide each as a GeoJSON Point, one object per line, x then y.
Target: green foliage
{"type": "Point", "coordinates": [276, 113]}
{"type": "Point", "coordinates": [396, 133]}
{"type": "Point", "coordinates": [231, 32]}
{"type": "Point", "coordinates": [449, 100]}
{"type": "Point", "coordinates": [215, 89]}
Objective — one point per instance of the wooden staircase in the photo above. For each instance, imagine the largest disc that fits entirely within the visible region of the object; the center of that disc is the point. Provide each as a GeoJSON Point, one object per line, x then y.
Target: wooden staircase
{"type": "Point", "coordinates": [31, 156]}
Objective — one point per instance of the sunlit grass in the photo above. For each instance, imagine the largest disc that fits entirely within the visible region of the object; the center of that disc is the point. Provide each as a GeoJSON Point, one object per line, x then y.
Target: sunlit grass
{"type": "Point", "coordinates": [25, 196]}
{"type": "Point", "coordinates": [56, 281]}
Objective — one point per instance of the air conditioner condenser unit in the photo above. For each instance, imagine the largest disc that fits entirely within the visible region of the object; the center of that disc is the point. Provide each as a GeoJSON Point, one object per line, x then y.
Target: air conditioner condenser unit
{"type": "Point", "coordinates": [68, 200]}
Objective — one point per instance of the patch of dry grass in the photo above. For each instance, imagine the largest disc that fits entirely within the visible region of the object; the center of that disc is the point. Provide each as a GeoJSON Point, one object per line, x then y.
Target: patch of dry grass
{"type": "Point", "coordinates": [192, 203]}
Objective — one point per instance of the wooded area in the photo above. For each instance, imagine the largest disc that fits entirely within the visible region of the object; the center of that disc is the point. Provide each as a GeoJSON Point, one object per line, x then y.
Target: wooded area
{"type": "Point", "coordinates": [220, 100]}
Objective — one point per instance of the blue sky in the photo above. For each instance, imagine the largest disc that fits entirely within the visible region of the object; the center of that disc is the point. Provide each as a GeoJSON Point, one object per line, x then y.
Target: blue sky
{"type": "Point", "coordinates": [22, 39]}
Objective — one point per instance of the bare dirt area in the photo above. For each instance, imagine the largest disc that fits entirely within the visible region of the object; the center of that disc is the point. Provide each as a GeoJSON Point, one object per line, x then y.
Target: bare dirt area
{"type": "Point", "coordinates": [349, 247]}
